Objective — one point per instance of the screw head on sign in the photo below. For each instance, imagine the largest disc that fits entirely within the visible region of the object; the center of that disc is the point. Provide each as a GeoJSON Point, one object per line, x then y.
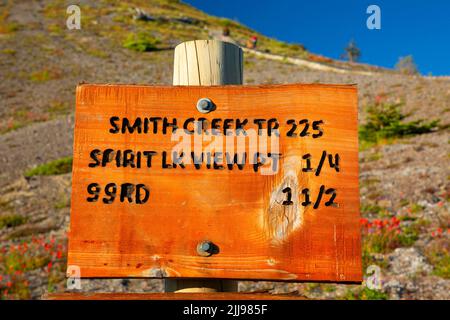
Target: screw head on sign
{"type": "Point", "coordinates": [205, 105]}
{"type": "Point", "coordinates": [205, 248]}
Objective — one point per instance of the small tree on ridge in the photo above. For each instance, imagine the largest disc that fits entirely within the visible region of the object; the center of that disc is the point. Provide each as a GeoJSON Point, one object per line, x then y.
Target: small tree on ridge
{"type": "Point", "coordinates": [406, 65]}
{"type": "Point", "coordinates": [352, 52]}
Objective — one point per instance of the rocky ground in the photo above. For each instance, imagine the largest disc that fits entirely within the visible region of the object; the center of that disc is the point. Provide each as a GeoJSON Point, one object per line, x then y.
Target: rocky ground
{"type": "Point", "coordinates": [42, 62]}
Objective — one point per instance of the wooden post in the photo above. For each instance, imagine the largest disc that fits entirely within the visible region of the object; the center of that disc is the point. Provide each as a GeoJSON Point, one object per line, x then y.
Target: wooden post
{"type": "Point", "coordinates": [206, 63]}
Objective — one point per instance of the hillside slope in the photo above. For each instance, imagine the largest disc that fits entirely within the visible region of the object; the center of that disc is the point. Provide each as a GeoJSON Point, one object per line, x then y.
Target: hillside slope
{"type": "Point", "coordinates": [41, 62]}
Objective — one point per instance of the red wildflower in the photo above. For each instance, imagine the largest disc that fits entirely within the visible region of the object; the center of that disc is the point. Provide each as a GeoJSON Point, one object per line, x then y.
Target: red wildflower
{"type": "Point", "coordinates": [378, 99]}
{"type": "Point", "coordinates": [9, 284]}
{"type": "Point", "coordinates": [49, 266]}
{"type": "Point", "coordinates": [59, 254]}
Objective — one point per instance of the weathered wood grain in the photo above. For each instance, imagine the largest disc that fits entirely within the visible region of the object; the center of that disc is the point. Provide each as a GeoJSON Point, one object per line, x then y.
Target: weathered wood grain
{"type": "Point", "coordinates": [207, 62]}
{"type": "Point", "coordinates": [239, 210]}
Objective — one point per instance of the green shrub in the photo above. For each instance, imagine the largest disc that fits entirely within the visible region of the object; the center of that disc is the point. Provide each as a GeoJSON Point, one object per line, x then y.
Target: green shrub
{"type": "Point", "coordinates": [416, 208]}
{"type": "Point", "coordinates": [366, 294]}
{"type": "Point", "coordinates": [442, 265]}
{"type": "Point", "coordinates": [406, 65]}
{"type": "Point", "coordinates": [385, 121]}
{"type": "Point", "coordinates": [9, 51]}
{"type": "Point", "coordinates": [40, 76]}
{"type": "Point", "coordinates": [141, 42]}
{"type": "Point", "coordinates": [409, 235]}
{"type": "Point", "coordinates": [63, 201]}
{"type": "Point", "coordinates": [59, 166]}
{"type": "Point", "coordinates": [369, 258]}
{"type": "Point", "coordinates": [439, 256]}
{"type": "Point", "coordinates": [368, 208]}
{"type": "Point", "coordinates": [11, 220]}
{"type": "Point", "coordinates": [384, 235]}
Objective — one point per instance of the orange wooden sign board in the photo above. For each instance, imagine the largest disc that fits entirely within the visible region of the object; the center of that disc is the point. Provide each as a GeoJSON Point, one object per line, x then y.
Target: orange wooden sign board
{"type": "Point", "coordinates": [264, 186]}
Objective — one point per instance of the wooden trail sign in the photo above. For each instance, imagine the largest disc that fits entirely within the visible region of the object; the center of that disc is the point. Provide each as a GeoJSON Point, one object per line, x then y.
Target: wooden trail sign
{"type": "Point", "coordinates": [140, 209]}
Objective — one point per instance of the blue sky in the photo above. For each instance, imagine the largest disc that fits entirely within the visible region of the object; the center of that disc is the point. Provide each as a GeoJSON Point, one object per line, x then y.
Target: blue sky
{"type": "Point", "coordinates": [417, 27]}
